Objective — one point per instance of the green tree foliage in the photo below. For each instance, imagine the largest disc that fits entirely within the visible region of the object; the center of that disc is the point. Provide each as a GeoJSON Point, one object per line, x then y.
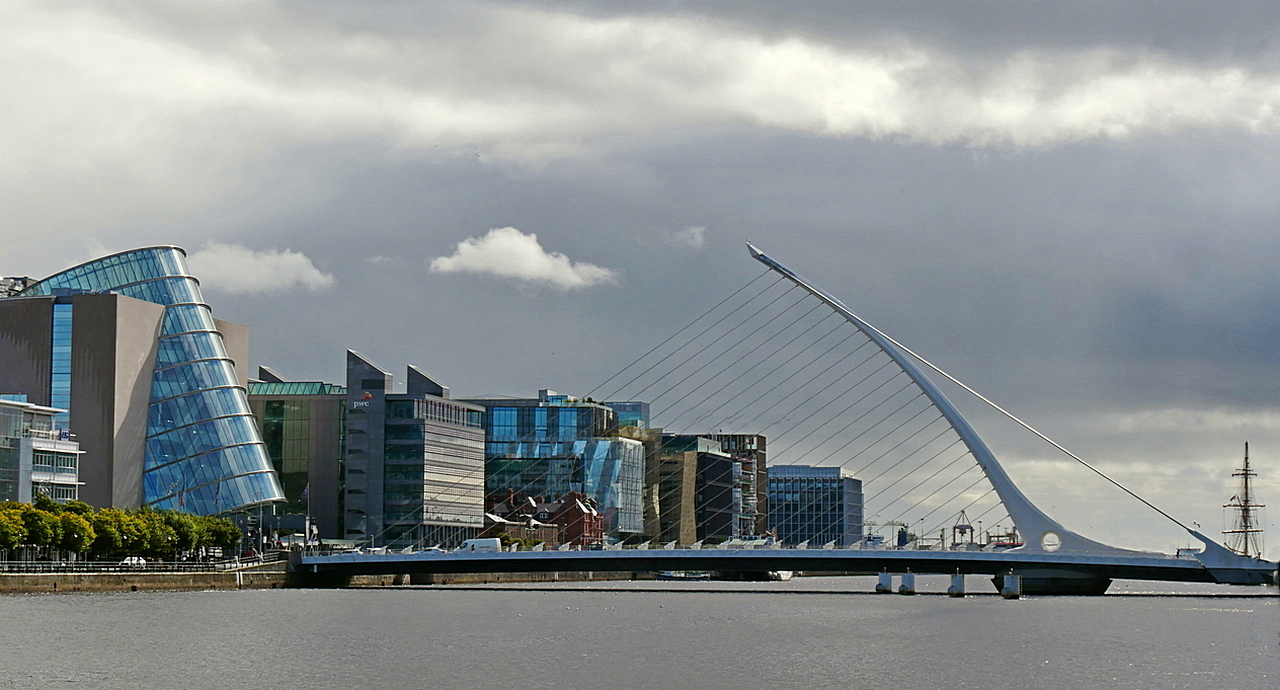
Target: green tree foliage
{"type": "Point", "coordinates": [78, 507]}
{"type": "Point", "coordinates": [43, 528]}
{"type": "Point", "coordinates": [77, 533]}
{"type": "Point", "coordinates": [48, 505]}
{"type": "Point", "coordinates": [13, 530]}
{"type": "Point", "coordinates": [159, 540]}
{"type": "Point", "coordinates": [108, 540]}
{"type": "Point", "coordinates": [111, 533]}
{"type": "Point", "coordinates": [526, 543]}
{"type": "Point", "coordinates": [190, 530]}
{"type": "Point", "coordinates": [224, 534]}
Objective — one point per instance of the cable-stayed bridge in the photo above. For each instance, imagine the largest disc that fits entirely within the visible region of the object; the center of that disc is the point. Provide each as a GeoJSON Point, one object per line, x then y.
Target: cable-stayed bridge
{"type": "Point", "coordinates": [781, 357]}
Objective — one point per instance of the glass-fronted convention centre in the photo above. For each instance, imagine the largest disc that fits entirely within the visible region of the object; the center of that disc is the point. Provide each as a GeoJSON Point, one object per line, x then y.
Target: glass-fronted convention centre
{"type": "Point", "coordinates": [203, 452]}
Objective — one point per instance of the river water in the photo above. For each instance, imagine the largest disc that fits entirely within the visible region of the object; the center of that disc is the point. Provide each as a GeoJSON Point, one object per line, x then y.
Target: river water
{"type": "Point", "coordinates": [808, 633]}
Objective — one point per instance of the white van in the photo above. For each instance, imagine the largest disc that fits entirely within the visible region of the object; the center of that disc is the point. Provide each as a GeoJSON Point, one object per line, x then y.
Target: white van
{"type": "Point", "coordinates": [491, 545]}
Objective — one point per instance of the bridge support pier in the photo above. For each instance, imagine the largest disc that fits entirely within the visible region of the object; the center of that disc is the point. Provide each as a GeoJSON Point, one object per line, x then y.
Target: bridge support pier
{"type": "Point", "coordinates": [957, 586]}
{"type": "Point", "coordinates": [885, 584]}
{"type": "Point", "coordinates": [1011, 587]}
{"type": "Point", "coordinates": [303, 579]}
{"type": "Point", "coordinates": [908, 585]}
{"type": "Point", "coordinates": [1042, 581]}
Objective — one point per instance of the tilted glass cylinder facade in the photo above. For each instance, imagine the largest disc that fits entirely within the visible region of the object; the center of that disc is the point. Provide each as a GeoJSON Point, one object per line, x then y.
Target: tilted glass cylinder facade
{"type": "Point", "coordinates": [203, 450]}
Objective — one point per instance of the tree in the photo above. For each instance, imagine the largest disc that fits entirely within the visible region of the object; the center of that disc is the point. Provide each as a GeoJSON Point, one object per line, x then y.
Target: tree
{"type": "Point", "coordinates": [108, 542]}
{"type": "Point", "coordinates": [43, 502]}
{"type": "Point", "coordinates": [13, 530]}
{"type": "Point", "coordinates": [79, 508]}
{"type": "Point", "coordinates": [77, 533]}
{"type": "Point", "coordinates": [159, 540]}
{"type": "Point", "coordinates": [224, 534]}
{"type": "Point", "coordinates": [43, 528]}
{"type": "Point", "coordinates": [190, 530]}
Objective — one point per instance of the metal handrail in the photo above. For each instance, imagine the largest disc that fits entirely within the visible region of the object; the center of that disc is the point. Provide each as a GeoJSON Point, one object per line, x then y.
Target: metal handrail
{"type": "Point", "coordinates": [149, 566]}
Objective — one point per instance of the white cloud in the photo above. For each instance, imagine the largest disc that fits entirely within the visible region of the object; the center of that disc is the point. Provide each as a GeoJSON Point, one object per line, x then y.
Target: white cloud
{"type": "Point", "coordinates": [689, 238]}
{"type": "Point", "coordinates": [509, 253]}
{"type": "Point", "coordinates": [234, 268]}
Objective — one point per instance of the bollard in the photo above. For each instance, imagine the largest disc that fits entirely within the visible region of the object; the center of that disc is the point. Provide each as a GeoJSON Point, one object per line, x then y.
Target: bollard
{"type": "Point", "coordinates": [885, 585]}
{"type": "Point", "coordinates": [908, 583]}
{"type": "Point", "coordinates": [1012, 588]}
{"type": "Point", "coordinates": [957, 586]}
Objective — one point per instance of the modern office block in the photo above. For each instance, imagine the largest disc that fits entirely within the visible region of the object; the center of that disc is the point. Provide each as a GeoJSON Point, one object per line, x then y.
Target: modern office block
{"type": "Point", "coordinates": [699, 490]}
{"type": "Point", "coordinates": [414, 460]}
{"type": "Point", "coordinates": [153, 385]}
{"type": "Point", "coordinates": [750, 451]}
{"type": "Point", "coordinates": [631, 413]}
{"type": "Point", "coordinates": [36, 457]}
{"type": "Point", "coordinates": [815, 504]}
{"type": "Point", "coordinates": [651, 440]}
{"type": "Point", "coordinates": [302, 426]}
{"type": "Point", "coordinates": [552, 445]}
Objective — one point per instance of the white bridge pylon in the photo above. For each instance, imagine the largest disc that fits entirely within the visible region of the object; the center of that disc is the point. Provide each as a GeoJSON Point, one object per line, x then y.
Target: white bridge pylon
{"type": "Point", "coordinates": [1039, 531]}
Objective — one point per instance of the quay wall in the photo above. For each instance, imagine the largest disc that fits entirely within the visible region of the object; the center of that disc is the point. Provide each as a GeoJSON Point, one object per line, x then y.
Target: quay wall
{"type": "Point", "coordinates": [263, 577]}
{"type": "Point", "coordinates": [40, 583]}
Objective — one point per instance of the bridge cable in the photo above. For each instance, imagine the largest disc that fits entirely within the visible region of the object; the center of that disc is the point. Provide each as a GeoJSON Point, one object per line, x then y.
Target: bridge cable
{"type": "Point", "coordinates": [775, 369]}
{"type": "Point", "coordinates": [1026, 426]}
{"type": "Point", "coordinates": [673, 335]}
{"type": "Point", "coordinates": [691, 340]}
{"type": "Point", "coordinates": [713, 342]}
{"type": "Point", "coordinates": [757, 347]}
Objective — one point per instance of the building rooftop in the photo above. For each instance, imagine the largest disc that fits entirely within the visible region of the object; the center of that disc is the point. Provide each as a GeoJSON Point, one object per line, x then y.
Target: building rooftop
{"type": "Point", "coordinates": [295, 388]}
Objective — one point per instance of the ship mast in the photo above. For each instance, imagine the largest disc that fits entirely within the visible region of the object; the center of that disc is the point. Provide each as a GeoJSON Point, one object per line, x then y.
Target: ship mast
{"type": "Point", "coordinates": [1245, 538]}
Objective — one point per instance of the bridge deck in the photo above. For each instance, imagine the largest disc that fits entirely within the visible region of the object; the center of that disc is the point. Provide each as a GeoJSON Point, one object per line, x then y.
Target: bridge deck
{"type": "Point", "coordinates": [1140, 567]}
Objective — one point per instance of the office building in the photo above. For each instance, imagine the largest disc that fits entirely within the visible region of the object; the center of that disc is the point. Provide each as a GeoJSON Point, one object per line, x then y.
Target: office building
{"type": "Point", "coordinates": [414, 460]}
{"type": "Point", "coordinates": [631, 413]}
{"type": "Point", "coordinates": [35, 456]}
{"type": "Point", "coordinates": [815, 504]}
{"type": "Point", "coordinates": [302, 426]}
{"type": "Point", "coordinates": [552, 445]}
{"type": "Point", "coordinates": [153, 385]}
{"type": "Point", "coordinates": [699, 490]}
{"type": "Point", "coordinates": [750, 452]}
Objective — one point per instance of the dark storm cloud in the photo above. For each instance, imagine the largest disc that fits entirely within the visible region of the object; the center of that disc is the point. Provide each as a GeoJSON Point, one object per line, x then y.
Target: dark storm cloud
{"type": "Point", "coordinates": [1247, 32]}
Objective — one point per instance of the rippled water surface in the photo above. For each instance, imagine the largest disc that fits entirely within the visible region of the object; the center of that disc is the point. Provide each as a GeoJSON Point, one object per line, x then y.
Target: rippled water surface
{"type": "Point", "coordinates": [808, 633]}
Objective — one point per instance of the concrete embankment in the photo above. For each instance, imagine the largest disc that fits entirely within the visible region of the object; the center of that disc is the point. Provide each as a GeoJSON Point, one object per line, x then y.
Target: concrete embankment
{"type": "Point", "coordinates": [267, 576]}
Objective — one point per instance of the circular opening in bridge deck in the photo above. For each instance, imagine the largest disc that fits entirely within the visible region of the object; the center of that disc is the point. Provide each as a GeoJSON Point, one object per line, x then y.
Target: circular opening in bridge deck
{"type": "Point", "coordinates": [1050, 541]}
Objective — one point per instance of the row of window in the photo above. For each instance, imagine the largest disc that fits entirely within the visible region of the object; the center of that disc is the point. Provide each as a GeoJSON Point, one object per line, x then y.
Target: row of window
{"type": "Point", "coordinates": [175, 381]}
{"type": "Point", "coordinates": [199, 438]}
{"type": "Point", "coordinates": [184, 318]}
{"type": "Point", "coordinates": [52, 461]}
{"type": "Point", "coordinates": [202, 469]}
{"type": "Point", "coordinates": [112, 271]}
{"type": "Point", "coordinates": [60, 364]}
{"type": "Point", "coordinates": [165, 291]}
{"type": "Point", "coordinates": [219, 496]}
{"type": "Point", "coordinates": [434, 411]}
{"type": "Point", "coordinates": [189, 347]}
{"type": "Point", "coordinates": [194, 407]}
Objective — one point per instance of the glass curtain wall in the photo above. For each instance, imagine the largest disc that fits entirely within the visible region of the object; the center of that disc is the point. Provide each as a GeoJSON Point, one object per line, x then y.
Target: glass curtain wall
{"type": "Point", "coordinates": [204, 454]}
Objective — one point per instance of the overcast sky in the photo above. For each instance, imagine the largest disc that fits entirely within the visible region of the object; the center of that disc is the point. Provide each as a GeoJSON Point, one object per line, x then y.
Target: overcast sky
{"type": "Point", "coordinates": [1073, 207]}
